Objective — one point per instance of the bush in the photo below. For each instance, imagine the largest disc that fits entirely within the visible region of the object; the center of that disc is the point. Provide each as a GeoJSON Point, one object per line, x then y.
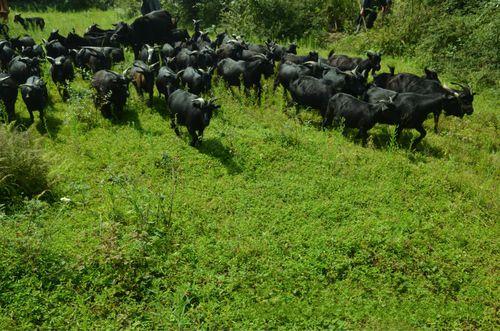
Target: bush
{"type": "Point", "coordinates": [288, 19]}
{"type": "Point", "coordinates": [454, 36]}
{"type": "Point", "coordinates": [23, 170]}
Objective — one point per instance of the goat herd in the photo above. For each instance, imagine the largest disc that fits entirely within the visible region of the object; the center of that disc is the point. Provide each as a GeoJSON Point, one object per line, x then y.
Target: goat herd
{"type": "Point", "coordinates": [336, 86]}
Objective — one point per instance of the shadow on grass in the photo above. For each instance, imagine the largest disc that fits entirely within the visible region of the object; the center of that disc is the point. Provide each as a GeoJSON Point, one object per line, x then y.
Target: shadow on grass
{"type": "Point", "coordinates": [160, 105]}
{"type": "Point", "coordinates": [49, 126]}
{"type": "Point", "coordinates": [385, 138]}
{"type": "Point", "coordinates": [214, 148]}
{"type": "Point", "coordinates": [129, 117]}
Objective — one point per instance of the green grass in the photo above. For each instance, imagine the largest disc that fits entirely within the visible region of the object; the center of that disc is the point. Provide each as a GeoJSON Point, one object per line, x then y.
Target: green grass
{"type": "Point", "coordinates": [270, 223]}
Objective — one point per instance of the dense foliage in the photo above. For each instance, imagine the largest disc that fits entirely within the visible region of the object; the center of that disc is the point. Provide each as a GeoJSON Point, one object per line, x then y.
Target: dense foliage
{"type": "Point", "coordinates": [456, 36]}
{"type": "Point", "coordinates": [460, 37]}
{"type": "Point", "coordinates": [284, 19]}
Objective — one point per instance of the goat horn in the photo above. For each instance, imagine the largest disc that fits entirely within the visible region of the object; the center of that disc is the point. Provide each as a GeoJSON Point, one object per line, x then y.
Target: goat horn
{"type": "Point", "coordinates": [451, 91]}
{"type": "Point", "coordinates": [464, 87]}
{"type": "Point", "coordinates": [259, 56]}
{"type": "Point", "coordinates": [126, 71]}
{"type": "Point", "coordinates": [180, 73]}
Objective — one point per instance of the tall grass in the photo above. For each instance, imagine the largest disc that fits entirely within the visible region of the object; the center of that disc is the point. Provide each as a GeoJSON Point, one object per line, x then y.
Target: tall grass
{"type": "Point", "coordinates": [23, 170]}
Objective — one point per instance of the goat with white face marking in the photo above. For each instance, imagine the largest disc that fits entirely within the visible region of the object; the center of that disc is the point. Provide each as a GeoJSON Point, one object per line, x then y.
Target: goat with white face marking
{"type": "Point", "coordinates": [149, 54]}
{"type": "Point", "coordinates": [22, 41]}
{"type": "Point", "coordinates": [190, 110]}
{"type": "Point", "coordinates": [32, 52]}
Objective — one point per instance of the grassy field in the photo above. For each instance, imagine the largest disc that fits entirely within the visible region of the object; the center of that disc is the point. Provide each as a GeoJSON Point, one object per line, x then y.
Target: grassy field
{"type": "Point", "coordinates": [270, 223]}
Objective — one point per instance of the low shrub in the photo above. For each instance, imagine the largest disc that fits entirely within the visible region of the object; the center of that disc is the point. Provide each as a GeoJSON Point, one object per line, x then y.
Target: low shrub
{"type": "Point", "coordinates": [24, 173]}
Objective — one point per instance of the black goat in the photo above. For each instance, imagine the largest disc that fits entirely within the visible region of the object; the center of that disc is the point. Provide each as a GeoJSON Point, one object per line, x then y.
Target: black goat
{"type": "Point", "coordinates": [190, 110]}
{"type": "Point", "coordinates": [30, 22]}
{"type": "Point", "coordinates": [7, 53]}
{"type": "Point", "coordinates": [62, 72]}
{"type": "Point", "coordinates": [198, 80]}
{"type": "Point", "coordinates": [312, 92]}
{"type": "Point", "coordinates": [344, 62]}
{"type": "Point", "coordinates": [21, 68]}
{"type": "Point", "coordinates": [55, 48]}
{"type": "Point", "coordinates": [167, 81]}
{"type": "Point", "coordinates": [232, 72]}
{"type": "Point", "coordinates": [111, 92]}
{"type": "Point", "coordinates": [8, 95]}
{"type": "Point", "coordinates": [355, 113]}
{"type": "Point", "coordinates": [298, 59]}
{"type": "Point", "coordinates": [35, 96]}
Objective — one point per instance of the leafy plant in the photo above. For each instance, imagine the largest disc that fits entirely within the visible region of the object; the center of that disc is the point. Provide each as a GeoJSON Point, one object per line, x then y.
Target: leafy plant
{"type": "Point", "coordinates": [23, 169]}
